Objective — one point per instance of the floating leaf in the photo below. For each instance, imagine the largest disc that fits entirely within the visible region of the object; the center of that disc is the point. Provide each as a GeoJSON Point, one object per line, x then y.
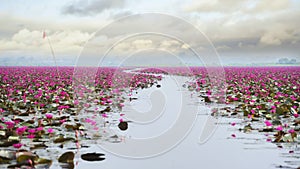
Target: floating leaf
{"type": "Point", "coordinates": [66, 157]}
{"type": "Point", "coordinates": [247, 128]}
{"type": "Point", "coordinates": [24, 158]}
{"type": "Point", "coordinates": [278, 136]}
{"type": "Point", "coordinates": [123, 125]}
{"type": "Point", "coordinates": [4, 160]}
{"type": "Point", "coordinates": [62, 139]}
{"type": "Point", "coordinates": [8, 143]}
{"type": "Point", "coordinates": [93, 157]}
{"type": "Point", "coordinates": [43, 161]}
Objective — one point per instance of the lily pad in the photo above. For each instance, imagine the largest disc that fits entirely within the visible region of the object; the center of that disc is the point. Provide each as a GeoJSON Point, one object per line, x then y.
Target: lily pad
{"type": "Point", "coordinates": [93, 157]}
{"type": "Point", "coordinates": [123, 125]}
{"type": "Point", "coordinates": [62, 139]}
{"type": "Point", "coordinates": [66, 157]}
{"type": "Point", "coordinates": [43, 161]}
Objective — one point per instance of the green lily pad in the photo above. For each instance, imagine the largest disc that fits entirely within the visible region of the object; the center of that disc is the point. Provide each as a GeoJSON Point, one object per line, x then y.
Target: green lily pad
{"type": "Point", "coordinates": [247, 128]}
{"type": "Point", "coordinates": [43, 161]}
{"type": "Point", "coordinates": [66, 157]}
{"type": "Point", "coordinates": [62, 139]}
{"type": "Point", "coordinates": [23, 158]}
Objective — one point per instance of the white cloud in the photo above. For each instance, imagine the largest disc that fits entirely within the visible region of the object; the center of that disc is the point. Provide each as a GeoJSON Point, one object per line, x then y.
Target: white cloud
{"type": "Point", "coordinates": [271, 5]}
{"type": "Point", "coordinates": [170, 44]}
{"type": "Point", "coordinates": [185, 46]}
{"type": "Point", "coordinates": [91, 7]}
{"type": "Point", "coordinates": [223, 47]}
{"type": "Point", "coordinates": [278, 37]}
{"type": "Point", "coordinates": [213, 6]}
{"type": "Point", "coordinates": [233, 6]}
{"type": "Point", "coordinates": [142, 44]}
{"type": "Point", "coordinates": [63, 42]}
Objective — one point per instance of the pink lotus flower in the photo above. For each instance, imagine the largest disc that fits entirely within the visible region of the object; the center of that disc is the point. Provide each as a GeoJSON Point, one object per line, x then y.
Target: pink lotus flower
{"type": "Point", "coordinates": [63, 107]}
{"type": "Point", "coordinates": [86, 105]}
{"type": "Point", "coordinates": [31, 136]}
{"type": "Point", "coordinates": [279, 128]}
{"type": "Point", "coordinates": [49, 116]}
{"type": "Point", "coordinates": [50, 130]}
{"type": "Point", "coordinates": [17, 145]}
{"type": "Point", "coordinates": [104, 115]}
{"type": "Point", "coordinates": [88, 120]}
{"type": "Point", "coordinates": [16, 121]}
{"type": "Point", "coordinates": [233, 124]}
{"type": "Point", "coordinates": [291, 131]}
{"type": "Point", "coordinates": [62, 121]}
{"type": "Point", "coordinates": [296, 115]}
{"type": "Point", "coordinates": [21, 130]}
{"type": "Point", "coordinates": [76, 102]}
{"type": "Point", "coordinates": [249, 116]}
{"type": "Point", "coordinates": [273, 111]}
{"type": "Point", "coordinates": [31, 131]}
{"type": "Point", "coordinates": [268, 123]}
{"type": "Point", "coordinates": [10, 124]}
{"type": "Point", "coordinates": [39, 129]}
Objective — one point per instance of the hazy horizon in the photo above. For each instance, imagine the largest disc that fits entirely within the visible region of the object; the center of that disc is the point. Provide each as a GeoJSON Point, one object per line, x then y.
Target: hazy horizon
{"type": "Point", "coordinates": [242, 32]}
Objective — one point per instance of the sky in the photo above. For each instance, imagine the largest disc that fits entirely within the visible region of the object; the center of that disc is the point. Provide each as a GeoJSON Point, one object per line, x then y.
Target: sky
{"type": "Point", "coordinates": [241, 31]}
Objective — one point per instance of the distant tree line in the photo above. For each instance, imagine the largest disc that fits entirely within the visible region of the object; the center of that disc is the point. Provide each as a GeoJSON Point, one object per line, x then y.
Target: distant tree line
{"type": "Point", "coordinates": [287, 61]}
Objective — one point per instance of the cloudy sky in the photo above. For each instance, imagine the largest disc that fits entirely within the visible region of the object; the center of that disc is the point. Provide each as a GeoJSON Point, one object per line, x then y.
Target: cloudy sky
{"type": "Point", "coordinates": [242, 31]}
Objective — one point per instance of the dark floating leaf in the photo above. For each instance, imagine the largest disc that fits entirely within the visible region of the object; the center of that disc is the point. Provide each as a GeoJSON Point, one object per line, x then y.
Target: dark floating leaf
{"type": "Point", "coordinates": [43, 161]}
{"type": "Point", "coordinates": [66, 157]}
{"type": "Point", "coordinates": [123, 125]}
{"type": "Point", "coordinates": [26, 156]}
{"type": "Point", "coordinates": [8, 143]}
{"type": "Point", "coordinates": [158, 86]}
{"type": "Point", "coordinates": [62, 139]}
{"type": "Point", "coordinates": [72, 127]}
{"type": "Point", "coordinates": [132, 98]}
{"type": "Point", "coordinates": [247, 128]}
{"type": "Point", "coordinates": [40, 145]}
{"type": "Point", "coordinates": [93, 157]}
{"type": "Point", "coordinates": [266, 130]}
{"type": "Point", "coordinates": [278, 136]}
{"type": "Point", "coordinates": [4, 160]}
{"type": "Point", "coordinates": [234, 113]}
{"type": "Point", "coordinates": [206, 99]}
{"type": "Point", "coordinates": [24, 114]}
{"type": "Point", "coordinates": [20, 165]}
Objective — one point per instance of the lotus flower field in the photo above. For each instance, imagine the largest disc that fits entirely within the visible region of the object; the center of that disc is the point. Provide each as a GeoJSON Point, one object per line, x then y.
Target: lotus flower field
{"type": "Point", "coordinates": [45, 110]}
{"type": "Point", "coordinates": [268, 96]}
